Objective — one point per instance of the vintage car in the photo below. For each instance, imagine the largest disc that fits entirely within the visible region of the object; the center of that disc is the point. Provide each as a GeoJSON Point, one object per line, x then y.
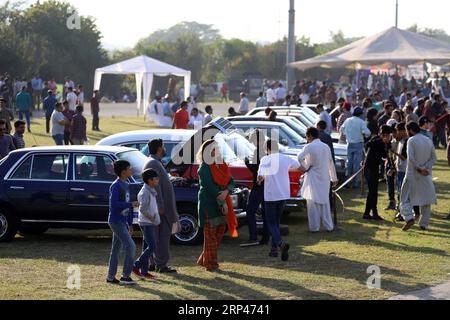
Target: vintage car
{"type": "Point", "coordinates": [139, 140]}
{"type": "Point", "coordinates": [68, 187]}
{"type": "Point", "coordinates": [234, 146]}
{"type": "Point", "coordinates": [304, 114]}
{"type": "Point", "coordinates": [290, 138]}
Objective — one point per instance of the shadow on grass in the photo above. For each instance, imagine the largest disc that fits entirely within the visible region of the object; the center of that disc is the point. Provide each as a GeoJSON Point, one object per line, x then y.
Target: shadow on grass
{"type": "Point", "coordinates": [92, 248]}
{"type": "Point", "coordinates": [232, 290]}
{"type": "Point", "coordinates": [442, 188]}
{"type": "Point", "coordinates": [360, 234]}
{"type": "Point", "coordinates": [159, 293]}
{"type": "Point", "coordinates": [217, 288]}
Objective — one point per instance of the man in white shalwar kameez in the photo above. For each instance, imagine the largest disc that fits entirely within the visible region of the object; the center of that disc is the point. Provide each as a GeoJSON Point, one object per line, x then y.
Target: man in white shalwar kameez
{"type": "Point", "coordinates": [152, 110]}
{"type": "Point", "coordinates": [418, 188]}
{"type": "Point", "coordinates": [318, 164]}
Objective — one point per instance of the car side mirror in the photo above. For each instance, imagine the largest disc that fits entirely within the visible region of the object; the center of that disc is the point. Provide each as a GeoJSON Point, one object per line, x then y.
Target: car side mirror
{"type": "Point", "coordinates": [284, 142]}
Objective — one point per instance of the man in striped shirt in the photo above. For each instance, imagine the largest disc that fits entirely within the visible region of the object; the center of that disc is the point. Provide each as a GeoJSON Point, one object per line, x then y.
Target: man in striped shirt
{"type": "Point", "coordinates": [19, 130]}
{"type": "Point", "coordinates": [78, 128]}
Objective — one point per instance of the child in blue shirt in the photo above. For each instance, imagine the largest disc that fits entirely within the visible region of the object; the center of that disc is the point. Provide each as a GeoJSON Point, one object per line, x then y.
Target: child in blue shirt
{"type": "Point", "coordinates": [121, 223]}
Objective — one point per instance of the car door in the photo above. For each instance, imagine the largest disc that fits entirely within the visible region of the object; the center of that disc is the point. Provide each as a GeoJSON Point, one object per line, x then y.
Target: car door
{"type": "Point", "coordinates": [39, 189]}
{"type": "Point", "coordinates": [92, 177]}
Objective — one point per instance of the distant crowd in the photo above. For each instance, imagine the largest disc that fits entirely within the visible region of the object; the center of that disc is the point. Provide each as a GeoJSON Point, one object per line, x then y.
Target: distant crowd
{"type": "Point", "coordinates": [63, 110]}
{"type": "Point", "coordinates": [166, 112]}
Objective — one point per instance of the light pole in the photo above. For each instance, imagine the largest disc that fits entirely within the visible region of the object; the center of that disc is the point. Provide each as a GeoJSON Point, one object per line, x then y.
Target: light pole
{"type": "Point", "coordinates": [290, 77]}
{"type": "Point", "coordinates": [396, 13]}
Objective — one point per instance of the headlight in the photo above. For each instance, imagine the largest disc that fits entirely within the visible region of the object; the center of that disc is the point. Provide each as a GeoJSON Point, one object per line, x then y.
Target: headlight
{"type": "Point", "coordinates": [235, 200]}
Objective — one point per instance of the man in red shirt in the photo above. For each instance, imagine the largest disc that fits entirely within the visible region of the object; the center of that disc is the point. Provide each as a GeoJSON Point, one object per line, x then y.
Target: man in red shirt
{"type": "Point", "coordinates": [224, 92]}
{"type": "Point", "coordinates": [181, 119]}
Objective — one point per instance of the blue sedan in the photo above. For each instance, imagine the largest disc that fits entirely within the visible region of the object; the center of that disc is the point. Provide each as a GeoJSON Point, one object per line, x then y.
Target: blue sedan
{"type": "Point", "coordinates": [68, 187]}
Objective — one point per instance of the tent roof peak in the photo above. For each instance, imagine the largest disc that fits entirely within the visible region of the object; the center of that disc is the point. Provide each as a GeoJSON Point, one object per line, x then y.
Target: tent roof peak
{"type": "Point", "coordinates": [392, 45]}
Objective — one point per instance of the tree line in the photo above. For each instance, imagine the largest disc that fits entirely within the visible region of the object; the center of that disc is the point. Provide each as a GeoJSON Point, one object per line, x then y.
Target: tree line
{"type": "Point", "coordinates": [36, 40]}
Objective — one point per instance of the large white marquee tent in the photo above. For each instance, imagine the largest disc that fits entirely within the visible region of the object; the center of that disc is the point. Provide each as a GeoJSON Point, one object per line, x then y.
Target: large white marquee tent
{"type": "Point", "coordinates": [145, 69]}
{"type": "Point", "coordinates": [394, 46]}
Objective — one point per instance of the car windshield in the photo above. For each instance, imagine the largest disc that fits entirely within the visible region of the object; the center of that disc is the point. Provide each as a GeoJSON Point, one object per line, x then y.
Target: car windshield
{"type": "Point", "coordinates": [305, 120]}
{"type": "Point", "coordinates": [296, 125]}
{"type": "Point", "coordinates": [170, 147]}
{"type": "Point", "coordinates": [310, 114]}
{"type": "Point", "coordinates": [234, 147]}
{"type": "Point", "coordinates": [137, 161]}
{"type": "Point", "coordinates": [294, 136]}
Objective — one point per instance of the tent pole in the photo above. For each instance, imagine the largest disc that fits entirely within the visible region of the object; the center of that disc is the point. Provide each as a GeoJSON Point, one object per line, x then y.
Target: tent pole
{"type": "Point", "coordinates": [396, 14]}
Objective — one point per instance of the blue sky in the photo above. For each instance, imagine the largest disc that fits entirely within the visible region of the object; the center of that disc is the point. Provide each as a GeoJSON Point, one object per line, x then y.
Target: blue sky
{"type": "Point", "coordinates": [123, 23]}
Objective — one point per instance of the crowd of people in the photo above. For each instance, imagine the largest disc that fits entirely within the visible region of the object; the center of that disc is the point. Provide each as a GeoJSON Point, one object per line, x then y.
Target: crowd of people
{"type": "Point", "coordinates": [158, 218]}
{"type": "Point", "coordinates": [166, 112]}
{"type": "Point", "coordinates": [392, 127]}
{"type": "Point", "coordinates": [63, 111]}
{"type": "Point", "coordinates": [36, 90]}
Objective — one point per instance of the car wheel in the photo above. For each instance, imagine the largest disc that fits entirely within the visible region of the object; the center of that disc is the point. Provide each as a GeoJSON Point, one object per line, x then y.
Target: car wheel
{"type": "Point", "coordinates": [191, 233]}
{"type": "Point", "coordinates": [32, 230]}
{"type": "Point", "coordinates": [8, 225]}
{"type": "Point", "coordinates": [286, 213]}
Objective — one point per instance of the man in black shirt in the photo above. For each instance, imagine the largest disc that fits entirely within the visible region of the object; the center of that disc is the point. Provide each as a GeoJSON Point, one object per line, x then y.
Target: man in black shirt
{"type": "Point", "coordinates": [325, 137]}
{"type": "Point", "coordinates": [437, 110]}
{"type": "Point", "coordinates": [372, 123]}
{"type": "Point", "coordinates": [376, 149]}
{"type": "Point", "coordinates": [256, 198]}
{"type": "Point", "coordinates": [387, 114]}
{"type": "Point", "coordinates": [419, 109]}
{"type": "Point", "coordinates": [297, 89]}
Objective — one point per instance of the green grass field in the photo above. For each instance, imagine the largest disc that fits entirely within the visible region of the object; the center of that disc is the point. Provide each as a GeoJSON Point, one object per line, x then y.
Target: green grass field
{"type": "Point", "coordinates": [322, 266]}
{"type": "Point", "coordinates": [108, 125]}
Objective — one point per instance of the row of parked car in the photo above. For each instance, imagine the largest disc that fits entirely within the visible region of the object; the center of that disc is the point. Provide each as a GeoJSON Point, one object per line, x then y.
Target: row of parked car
{"type": "Point", "coordinates": [68, 187]}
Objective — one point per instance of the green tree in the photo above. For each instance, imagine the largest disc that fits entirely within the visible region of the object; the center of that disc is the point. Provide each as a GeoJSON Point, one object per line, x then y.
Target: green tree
{"type": "Point", "coordinates": [240, 57]}
{"type": "Point", "coordinates": [439, 34]}
{"type": "Point", "coordinates": [187, 53]}
{"type": "Point", "coordinates": [205, 32]}
{"type": "Point", "coordinates": [337, 40]}
{"type": "Point", "coordinates": [42, 43]}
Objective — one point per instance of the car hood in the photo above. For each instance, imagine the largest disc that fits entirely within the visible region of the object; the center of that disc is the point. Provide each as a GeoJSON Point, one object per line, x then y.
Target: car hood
{"type": "Point", "coordinates": [291, 151]}
{"type": "Point", "coordinates": [340, 150]}
{"type": "Point", "coordinates": [335, 136]}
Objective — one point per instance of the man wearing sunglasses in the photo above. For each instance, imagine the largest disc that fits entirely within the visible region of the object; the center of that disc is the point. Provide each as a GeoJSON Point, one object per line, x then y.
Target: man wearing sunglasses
{"type": "Point", "coordinates": [6, 141]}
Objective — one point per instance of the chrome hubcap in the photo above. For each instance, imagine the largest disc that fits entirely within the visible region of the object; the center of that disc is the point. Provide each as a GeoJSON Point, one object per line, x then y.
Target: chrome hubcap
{"type": "Point", "coordinates": [189, 228]}
{"type": "Point", "coordinates": [3, 225]}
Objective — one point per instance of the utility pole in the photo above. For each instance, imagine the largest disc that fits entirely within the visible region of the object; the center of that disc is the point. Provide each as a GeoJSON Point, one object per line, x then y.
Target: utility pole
{"type": "Point", "coordinates": [291, 46]}
{"type": "Point", "coordinates": [396, 13]}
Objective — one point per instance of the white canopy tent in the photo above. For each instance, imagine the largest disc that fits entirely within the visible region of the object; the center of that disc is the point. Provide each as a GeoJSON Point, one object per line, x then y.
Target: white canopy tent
{"type": "Point", "coordinates": [395, 46]}
{"type": "Point", "coordinates": [144, 68]}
